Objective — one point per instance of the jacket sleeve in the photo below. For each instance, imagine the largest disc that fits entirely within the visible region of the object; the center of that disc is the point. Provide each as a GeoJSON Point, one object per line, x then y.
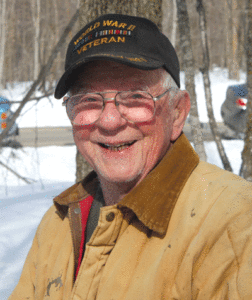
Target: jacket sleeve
{"type": "Point", "coordinates": [217, 263]}
{"type": "Point", "coordinates": [27, 285]}
{"type": "Point", "coordinates": [226, 272]}
{"type": "Point", "coordinates": [25, 288]}
{"type": "Point", "coordinates": [240, 235]}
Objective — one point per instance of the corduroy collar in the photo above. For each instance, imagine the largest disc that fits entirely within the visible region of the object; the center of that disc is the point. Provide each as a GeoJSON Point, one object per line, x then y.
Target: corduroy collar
{"type": "Point", "coordinates": [153, 199]}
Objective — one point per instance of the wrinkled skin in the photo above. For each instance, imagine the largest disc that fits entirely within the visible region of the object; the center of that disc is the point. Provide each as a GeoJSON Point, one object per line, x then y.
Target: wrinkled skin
{"type": "Point", "coordinates": [120, 171]}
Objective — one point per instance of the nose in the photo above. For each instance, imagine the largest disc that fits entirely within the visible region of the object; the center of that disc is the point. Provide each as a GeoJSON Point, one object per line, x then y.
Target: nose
{"type": "Point", "coordinates": [110, 118]}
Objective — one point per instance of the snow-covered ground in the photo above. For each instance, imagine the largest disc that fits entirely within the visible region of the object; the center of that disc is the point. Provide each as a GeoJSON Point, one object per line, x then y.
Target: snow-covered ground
{"type": "Point", "coordinates": [53, 169]}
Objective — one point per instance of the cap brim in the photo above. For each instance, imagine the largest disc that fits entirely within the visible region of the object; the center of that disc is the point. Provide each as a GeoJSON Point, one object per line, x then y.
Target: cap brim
{"type": "Point", "coordinates": [133, 60]}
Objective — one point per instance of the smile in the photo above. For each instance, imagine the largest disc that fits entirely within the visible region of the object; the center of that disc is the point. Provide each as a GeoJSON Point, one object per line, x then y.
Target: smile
{"type": "Point", "coordinates": [118, 147]}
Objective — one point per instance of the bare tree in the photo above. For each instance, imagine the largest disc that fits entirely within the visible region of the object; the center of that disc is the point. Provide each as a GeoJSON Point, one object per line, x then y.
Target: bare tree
{"type": "Point", "coordinates": [231, 15]}
{"type": "Point", "coordinates": [2, 39]}
{"type": "Point", "coordinates": [36, 21]}
{"type": "Point", "coordinates": [189, 65]}
{"type": "Point", "coordinates": [174, 23]}
{"type": "Point", "coordinates": [228, 26]}
{"type": "Point", "coordinates": [235, 68]}
{"type": "Point", "coordinates": [247, 151]}
{"type": "Point", "coordinates": [207, 85]}
{"type": "Point", "coordinates": [169, 20]}
{"type": "Point", "coordinates": [91, 9]}
{"type": "Point", "coordinates": [56, 25]}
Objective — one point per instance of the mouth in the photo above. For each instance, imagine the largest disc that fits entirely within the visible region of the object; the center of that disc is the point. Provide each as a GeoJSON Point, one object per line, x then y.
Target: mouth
{"type": "Point", "coordinates": [118, 147]}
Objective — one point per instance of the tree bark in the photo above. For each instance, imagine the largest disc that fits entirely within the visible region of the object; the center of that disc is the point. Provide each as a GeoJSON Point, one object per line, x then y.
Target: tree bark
{"type": "Point", "coordinates": [150, 9]}
{"type": "Point", "coordinates": [228, 26]}
{"type": "Point", "coordinates": [36, 22]}
{"type": "Point", "coordinates": [188, 62]}
{"type": "Point", "coordinates": [3, 40]}
{"type": "Point", "coordinates": [91, 9]}
{"type": "Point", "coordinates": [247, 151]}
{"type": "Point", "coordinates": [205, 72]}
{"type": "Point", "coordinates": [234, 74]}
{"type": "Point", "coordinates": [82, 167]}
{"type": "Point", "coordinates": [56, 24]}
{"type": "Point", "coordinates": [174, 23]}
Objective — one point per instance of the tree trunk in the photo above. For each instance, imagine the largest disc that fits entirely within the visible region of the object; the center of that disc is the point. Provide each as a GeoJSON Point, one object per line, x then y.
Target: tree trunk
{"type": "Point", "coordinates": [150, 9]}
{"type": "Point", "coordinates": [91, 9]}
{"type": "Point", "coordinates": [228, 26]}
{"type": "Point", "coordinates": [82, 167]}
{"type": "Point", "coordinates": [174, 23]}
{"type": "Point", "coordinates": [188, 62]}
{"type": "Point", "coordinates": [2, 40]}
{"type": "Point", "coordinates": [234, 74]}
{"type": "Point", "coordinates": [36, 22]}
{"type": "Point", "coordinates": [56, 24]}
{"type": "Point", "coordinates": [205, 72]}
{"type": "Point", "coordinates": [247, 151]}
{"type": "Point", "coordinates": [169, 20]}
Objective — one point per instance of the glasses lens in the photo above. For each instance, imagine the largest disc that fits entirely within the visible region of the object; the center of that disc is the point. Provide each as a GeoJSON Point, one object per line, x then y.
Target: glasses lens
{"type": "Point", "coordinates": [84, 109]}
{"type": "Point", "coordinates": [136, 106]}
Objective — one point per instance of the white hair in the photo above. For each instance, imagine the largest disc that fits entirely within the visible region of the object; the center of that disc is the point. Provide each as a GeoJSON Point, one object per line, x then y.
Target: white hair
{"type": "Point", "coordinates": [168, 82]}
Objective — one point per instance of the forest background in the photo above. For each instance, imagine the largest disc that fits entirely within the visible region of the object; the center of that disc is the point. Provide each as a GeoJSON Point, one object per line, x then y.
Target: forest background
{"type": "Point", "coordinates": [31, 28]}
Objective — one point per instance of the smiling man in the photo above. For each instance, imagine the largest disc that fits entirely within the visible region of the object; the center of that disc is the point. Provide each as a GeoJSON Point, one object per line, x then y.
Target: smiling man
{"type": "Point", "coordinates": [126, 138]}
{"type": "Point", "coordinates": [151, 221]}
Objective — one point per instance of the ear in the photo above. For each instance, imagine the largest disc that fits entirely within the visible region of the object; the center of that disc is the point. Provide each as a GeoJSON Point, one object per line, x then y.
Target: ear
{"type": "Point", "coordinates": [181, 111]}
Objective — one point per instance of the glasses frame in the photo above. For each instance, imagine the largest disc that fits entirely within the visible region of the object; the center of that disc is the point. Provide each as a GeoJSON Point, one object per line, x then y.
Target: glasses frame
{"type": "Point", "coordinates": [64, 103]}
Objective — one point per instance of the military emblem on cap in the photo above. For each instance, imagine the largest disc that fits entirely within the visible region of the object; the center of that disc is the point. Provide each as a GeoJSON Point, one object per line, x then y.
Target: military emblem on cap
{"type": "Point", "coordinates": [130, 40]}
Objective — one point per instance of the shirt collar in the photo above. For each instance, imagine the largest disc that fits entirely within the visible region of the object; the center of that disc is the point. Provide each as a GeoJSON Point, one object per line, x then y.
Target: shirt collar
{"type": "Point", "coordinates": [154, 198]}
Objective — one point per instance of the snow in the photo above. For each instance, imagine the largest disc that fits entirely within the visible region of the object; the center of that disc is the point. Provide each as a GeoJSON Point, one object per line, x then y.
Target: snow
{"type": "Point", "coordinates": [52, 170]}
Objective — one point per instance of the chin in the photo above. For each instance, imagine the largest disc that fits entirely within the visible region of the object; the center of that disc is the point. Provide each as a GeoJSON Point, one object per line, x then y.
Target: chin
{"type": "Point", "coordinates": [120, 177]}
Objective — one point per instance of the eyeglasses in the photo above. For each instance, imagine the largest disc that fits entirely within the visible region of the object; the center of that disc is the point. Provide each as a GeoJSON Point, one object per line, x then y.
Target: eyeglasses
{"type": "Point", "coordinates": [134, 106]}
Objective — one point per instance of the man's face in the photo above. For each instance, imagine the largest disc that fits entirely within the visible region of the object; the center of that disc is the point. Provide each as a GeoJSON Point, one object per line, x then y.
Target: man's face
{"type": "Point", "coordinates": [120, 151]}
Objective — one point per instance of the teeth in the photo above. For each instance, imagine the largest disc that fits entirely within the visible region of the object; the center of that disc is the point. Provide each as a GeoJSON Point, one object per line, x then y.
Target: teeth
{"type": "Point", "coordinates": [119, 147]}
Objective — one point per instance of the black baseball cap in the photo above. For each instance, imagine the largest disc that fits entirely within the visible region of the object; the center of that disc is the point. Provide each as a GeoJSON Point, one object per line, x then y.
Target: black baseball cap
{"type": "Point", "coordinates": [130, 40]}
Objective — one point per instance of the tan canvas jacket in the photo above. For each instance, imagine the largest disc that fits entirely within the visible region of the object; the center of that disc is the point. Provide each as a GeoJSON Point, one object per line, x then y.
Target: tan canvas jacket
{"type": "Point", "coordinates": [185, 232]}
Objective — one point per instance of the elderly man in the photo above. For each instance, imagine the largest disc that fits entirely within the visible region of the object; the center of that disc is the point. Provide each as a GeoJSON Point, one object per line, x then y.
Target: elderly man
{"type": "Point", "coordinates": [151, 221]}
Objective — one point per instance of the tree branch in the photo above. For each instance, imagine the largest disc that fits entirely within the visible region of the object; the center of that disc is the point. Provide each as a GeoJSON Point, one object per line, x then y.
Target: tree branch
{"type": "Point", "coordinates": [34, 99]}
{"type": "Point", "coordinates": [15, 173]}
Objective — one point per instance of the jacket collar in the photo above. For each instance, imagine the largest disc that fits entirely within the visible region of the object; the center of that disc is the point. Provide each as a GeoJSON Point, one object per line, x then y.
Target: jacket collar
{"type": "Point", "coordinates": [154, 198]}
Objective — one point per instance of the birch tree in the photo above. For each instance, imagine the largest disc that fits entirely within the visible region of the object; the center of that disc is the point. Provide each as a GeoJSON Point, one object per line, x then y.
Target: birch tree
{"type": "Point", "coordinates": [169, 20]}
{"type": "Point", "coordinates": [36, 21]}
{"type": "Point", "coordinates": [56, 25]}
{"type": "Point", "coordinates": [228, 25]}
{"type": "Point", "coordinates": [247, 151]}
{"type": "Point", "coordinates": [235, 68]}
{"type": "Point", "coordinates": [207, 85]}
{"type": "Point", "coordinates": [91, 9]}
{"type": "Point", "coordinates": [3, 26]}
{"type": "Point", "coordinates": [174, 23]}
{"type": "Point", "coordinates": [188, 63]}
